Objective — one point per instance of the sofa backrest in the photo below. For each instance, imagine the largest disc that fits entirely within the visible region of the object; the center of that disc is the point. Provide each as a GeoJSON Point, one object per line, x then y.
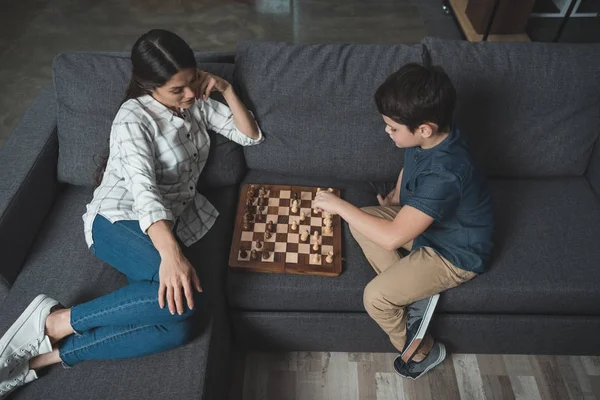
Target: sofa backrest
{"type": "Point", "coordinates": [89, 90]}
{"type": "Point", "coordinates": [527, 109]}
{"type": "Point", "coordinates": [315, 106]}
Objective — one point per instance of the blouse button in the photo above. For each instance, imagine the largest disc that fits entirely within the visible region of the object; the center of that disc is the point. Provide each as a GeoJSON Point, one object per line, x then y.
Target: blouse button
{"type": "Point", "coordinates": [191, 188]}
{"type": "Point", "coordinates": [195, 155]}
{"type": "Point", "coordinates": [184, 203]}
{"type": "Point", "coordinates": [189, 136]}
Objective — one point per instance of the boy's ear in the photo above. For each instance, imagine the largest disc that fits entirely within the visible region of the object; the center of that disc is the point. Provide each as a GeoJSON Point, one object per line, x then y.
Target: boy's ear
{"type": "Point", "coordinates": [427, 130]}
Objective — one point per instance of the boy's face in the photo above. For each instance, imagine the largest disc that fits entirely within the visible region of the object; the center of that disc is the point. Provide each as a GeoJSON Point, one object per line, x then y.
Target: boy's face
{"type": "Point", "coordinates": [401, 135]}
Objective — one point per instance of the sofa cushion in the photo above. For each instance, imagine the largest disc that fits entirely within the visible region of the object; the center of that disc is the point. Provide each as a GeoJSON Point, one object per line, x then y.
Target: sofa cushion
{"type": "Point", "coordinates": [528, 109]}
{"type": "Point", "coordinates": [545, 261]}
{"type": "Point", "coordinates": [315, 105]}
{"type": "Point", "coordinates": [61, 266]}
{"type": "Point", "coordinates": [89, 91]}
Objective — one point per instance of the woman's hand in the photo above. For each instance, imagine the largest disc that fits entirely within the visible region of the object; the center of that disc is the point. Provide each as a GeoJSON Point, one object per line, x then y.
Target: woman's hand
{"type": "Point", "coordinates": [326, 201]}
{"type": "Point", "coordinates": [176, 274]}
{"type": "Point", "coordinates": [207, 83]}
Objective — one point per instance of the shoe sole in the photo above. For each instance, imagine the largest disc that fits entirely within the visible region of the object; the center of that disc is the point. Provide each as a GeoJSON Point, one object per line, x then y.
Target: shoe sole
{"type": "Point", "coordinates": [417, 340]}
{"type": "Point", "coordinates": [40, 300]}
{"type": "Point", "coordinates": [437, 362]}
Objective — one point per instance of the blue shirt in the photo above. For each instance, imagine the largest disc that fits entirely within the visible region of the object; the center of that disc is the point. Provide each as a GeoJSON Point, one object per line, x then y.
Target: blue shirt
{"type": "Point", "coordinates": [444, 183]}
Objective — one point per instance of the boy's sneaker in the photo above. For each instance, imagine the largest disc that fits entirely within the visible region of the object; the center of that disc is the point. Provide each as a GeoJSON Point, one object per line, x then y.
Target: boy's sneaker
{"type": "Point", "coordinates": [414, 370]}
{"type": "Point", "coordinates": [418, 317]}
{"type": "Point", "coordinates": [21, 376]}
{"type": "Point", "coordinates": [26, 339]}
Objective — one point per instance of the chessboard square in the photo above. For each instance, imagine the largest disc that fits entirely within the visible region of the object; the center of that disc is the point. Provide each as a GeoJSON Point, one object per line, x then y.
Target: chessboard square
{"type": "Point", "coordinates": [270, 246]}
{"type": "Point", "coordinates": [291, 258]}
{"type": "Point", "coordinates": [293, 238]}
{"type": "Point", "coordinates": [316, 221]}
{"type": "Point", "coordinates": [282, 228]}
{"type": "Point", "coordinates": [283, 211]}
{"type": "Point", "coordinates": [271, 257]}
{"type": "Point", "coordinates": [283, 219]}
{"type": "Point", "coordinates": [273, 202]}
{"type": "Point", "coordinates": [260, 227]}
{"type": "Point", "coordinates": [247, 236]}
{"type": "Point", "coordinates": [312, 260]}
{"type": "Point", "coordinates": [304, 248]}
{"type": "Point", "coordinates": [306, 196]}
{"type": "Point", "coordinates": [285, 194]}
{"type": "Point", "coordinates": [327, 240]}
{"type": "Point", "coordinates": [292, 247]}
{"type": "Point", "coordinates": [273, 238]}
{"type": "Point", "coordinates": [281, 237]}
{"type": "Point", "coordinates": [326, 249]}
{"type": "Point", "coordinates": [280, 247]}
{"type": "Point", "coordinates": [284, 203]}
{"type": "Point", "coordinates": [306, 204]}
{"type": "Point", "coordinates": [313, 229]}
{"type": "Point", "coordinates": [273, 210]}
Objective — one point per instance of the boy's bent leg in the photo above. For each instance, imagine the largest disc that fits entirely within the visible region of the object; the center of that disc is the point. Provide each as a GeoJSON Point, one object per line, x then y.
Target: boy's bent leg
{"type": "Point", "coordinates": [379, 258]}
{"type": "Point", "coordinates": [421, 274]}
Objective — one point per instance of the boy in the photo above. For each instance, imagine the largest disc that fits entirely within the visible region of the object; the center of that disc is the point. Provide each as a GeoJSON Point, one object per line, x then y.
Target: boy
{"type": "Point", "coordinates": [440, 211]}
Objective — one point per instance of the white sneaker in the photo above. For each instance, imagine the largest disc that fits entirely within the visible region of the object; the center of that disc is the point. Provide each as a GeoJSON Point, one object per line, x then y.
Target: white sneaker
{"type": "Point", "coordinates": [26, 339]}
{"type": "Point", "coordinates": [21, 376]}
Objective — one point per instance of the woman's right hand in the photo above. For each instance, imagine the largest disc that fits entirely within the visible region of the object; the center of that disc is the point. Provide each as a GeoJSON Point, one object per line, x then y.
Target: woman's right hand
{"type": "Point", "coordinates": [178, 279]}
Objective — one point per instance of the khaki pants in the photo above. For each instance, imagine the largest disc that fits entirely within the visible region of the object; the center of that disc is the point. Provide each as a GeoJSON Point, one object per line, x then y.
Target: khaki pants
{"type": "Point", "coordinates": [402, 280]}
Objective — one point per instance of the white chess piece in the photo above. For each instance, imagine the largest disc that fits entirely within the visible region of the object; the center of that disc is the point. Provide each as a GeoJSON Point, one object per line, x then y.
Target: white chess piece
{"type": "Point", "coordinates": [330, 190]}
{"type": "Point", "coordinates": [329, 258]}
{"type": "Point", "coordinates": [316, 246]}
{"type": "Point", "coordinates": [304, 236]}
{"type": "Point", "coordinates": [302, 216]}
{"type": "Point", "coordinates": [294, 225]}
{"type": "Point", "coordinates": [317, 258]}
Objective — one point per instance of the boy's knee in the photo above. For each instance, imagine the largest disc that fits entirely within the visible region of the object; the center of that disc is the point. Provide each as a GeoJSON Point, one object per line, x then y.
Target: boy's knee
{"type": "Point", "coordinates": [180, 333]}
{"type": "Point", "coordinates": [372, 299]}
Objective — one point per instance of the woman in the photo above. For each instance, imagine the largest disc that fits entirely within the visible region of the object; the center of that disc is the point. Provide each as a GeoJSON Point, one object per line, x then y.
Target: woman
{"type": "Point", "coordinates": [147, 195]}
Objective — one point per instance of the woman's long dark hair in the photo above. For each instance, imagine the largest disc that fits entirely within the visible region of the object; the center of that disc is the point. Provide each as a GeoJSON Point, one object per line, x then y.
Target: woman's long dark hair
{"type": "Point", "coordinates": [156, 56]}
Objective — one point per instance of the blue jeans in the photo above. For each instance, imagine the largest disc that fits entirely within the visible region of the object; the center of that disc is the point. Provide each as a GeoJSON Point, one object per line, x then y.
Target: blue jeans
{"type": "Point", "coordinates": [128, 322]}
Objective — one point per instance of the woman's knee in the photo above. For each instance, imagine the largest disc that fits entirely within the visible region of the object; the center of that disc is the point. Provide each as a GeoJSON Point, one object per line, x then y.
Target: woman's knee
{"type": "Point", "coordinates": [180, 333]}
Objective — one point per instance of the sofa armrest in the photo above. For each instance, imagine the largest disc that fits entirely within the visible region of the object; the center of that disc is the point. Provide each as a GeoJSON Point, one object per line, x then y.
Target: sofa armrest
{"type": "Point", "coordinates": [593, 170]}
{"type": "Point", "coordinates": [28, 184]}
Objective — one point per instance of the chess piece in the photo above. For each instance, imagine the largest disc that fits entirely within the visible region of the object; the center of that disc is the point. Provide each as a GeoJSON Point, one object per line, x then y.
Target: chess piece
{"type": "Point", "coordinates": [246, 222]}
{"type": "Point", "coordinates": [318, 190]}
{"type": "Point", "coordinates": [294, 225]}
{"type": "Point", "coordinates": [267, 235]}
{"type": "Point", "coordinates": [329, 258]}
{"type": "Point", "coordinates": [316, 258]}
{"type": "Point", "coordinates": [295, 196]}
{"type": "Point", "coordinates": [315, 211]}
{"type": "Point", "coordinates": [330, 190]}
{"type": "Point", "coordinates": [294, 208]}
{"type": "Point", "coordinates": [302, 216]}
{"type": "Point", "coordinates": [316, 236]}
{"type": "Point", "coordinates": [259, 244]}
{"type": "Point", "coordinates": [316, 246]}
{"type": "Point", "coordinates": [265, 255]}
{"type": "Point", "coordinates": [270, 226]}
{"type": "Point", "coordinates": [327, 230]}
{"type": "Point", "coordinates": [304, 236]}
{"type": "Point", "coordinates": [327, 222]}
{"type": "Point", "coordinates": [253, 254]}
{"type": "Point", "coordinates": [243, 253]}
{"type": "Point", "coordinates": [326, 215]}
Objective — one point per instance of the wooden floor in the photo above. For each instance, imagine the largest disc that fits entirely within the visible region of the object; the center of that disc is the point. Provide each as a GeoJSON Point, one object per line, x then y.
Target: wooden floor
{"type": "Point", "coordinates": [370, 376]}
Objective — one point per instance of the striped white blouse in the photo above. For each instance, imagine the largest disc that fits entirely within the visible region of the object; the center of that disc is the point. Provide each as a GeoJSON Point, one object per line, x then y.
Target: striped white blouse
{"type": "Point", "coordinates": [154, 164]}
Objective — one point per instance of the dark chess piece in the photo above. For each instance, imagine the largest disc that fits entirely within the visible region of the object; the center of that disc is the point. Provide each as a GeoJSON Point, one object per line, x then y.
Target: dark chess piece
{"type": "Point", "coordinates": [246, 222]}
{"type": "Point", "coordinates": [259, 244]}
{"type": "Point", "coordinates": [270, 226]}
{"type": "Point", "coordinates": [267, 235]}
{"type": "Point", "coordinates": [265, 255]}
{"type": "Point", "coordinates": [243, 252]}
{"type": "Point", "coordinates": [253, 254]}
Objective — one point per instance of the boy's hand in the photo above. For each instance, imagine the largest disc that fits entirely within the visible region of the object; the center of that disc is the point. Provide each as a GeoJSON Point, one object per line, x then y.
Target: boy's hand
{"type": "Point", "coordinates": [207, 83]}
{"type": "Point", "coordinates": [390, 200]}
{"type": "Point", "coordinates": [326, 201]}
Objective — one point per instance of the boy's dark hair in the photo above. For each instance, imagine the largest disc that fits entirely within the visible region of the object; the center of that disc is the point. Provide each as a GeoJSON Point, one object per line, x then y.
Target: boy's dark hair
{"type": "Point", "coordinates": [416, 94]}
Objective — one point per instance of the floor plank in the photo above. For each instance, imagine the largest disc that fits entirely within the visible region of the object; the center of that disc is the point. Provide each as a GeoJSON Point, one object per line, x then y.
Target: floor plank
{"type": "Point", "coordinates": [371, 376]}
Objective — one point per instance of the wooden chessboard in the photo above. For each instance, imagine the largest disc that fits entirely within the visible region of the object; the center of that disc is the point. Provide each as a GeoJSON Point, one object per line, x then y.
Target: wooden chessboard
{"type": "Point", "coordinates": [284, 250]}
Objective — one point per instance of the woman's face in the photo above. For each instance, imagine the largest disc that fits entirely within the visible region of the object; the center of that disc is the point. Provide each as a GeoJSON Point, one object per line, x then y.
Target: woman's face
{"type": "Point", "coordinates": [178, 92]}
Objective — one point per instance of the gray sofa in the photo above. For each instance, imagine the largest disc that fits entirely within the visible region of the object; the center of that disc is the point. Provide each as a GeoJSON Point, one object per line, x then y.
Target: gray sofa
{"type": "Point", "coordinates": [530, 111]}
